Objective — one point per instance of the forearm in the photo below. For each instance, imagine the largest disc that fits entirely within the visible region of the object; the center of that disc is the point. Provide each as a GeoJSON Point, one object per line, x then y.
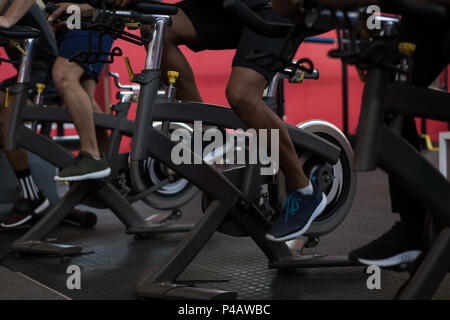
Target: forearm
{"type": "Point", "coordinates": [17, 10]}
{"type": "Point", "coordinates": [3, 4]}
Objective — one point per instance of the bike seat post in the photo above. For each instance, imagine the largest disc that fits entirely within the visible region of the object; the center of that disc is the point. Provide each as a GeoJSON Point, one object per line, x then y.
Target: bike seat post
{"type": "Point", "coordinates": [149, 80]}
{"type": "Point", "coordinates": [23, 75]}
{"type": "Point", "coordinates": [155, 50]}
{"type": "Point", "coordinates": [20, 93]}
{"type": "Point", "coordinates": [272, 88]}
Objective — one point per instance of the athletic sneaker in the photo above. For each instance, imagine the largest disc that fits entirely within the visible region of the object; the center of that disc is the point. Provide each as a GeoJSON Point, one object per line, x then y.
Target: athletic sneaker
{"type": "Point", "coordinates": [400, 245]}
{"type": "Point", "coordinates": [298, 212]}
{"type": "Point", "coordinates": [85, 167]}
{"type": "Point", "coordinates": [24, 210]}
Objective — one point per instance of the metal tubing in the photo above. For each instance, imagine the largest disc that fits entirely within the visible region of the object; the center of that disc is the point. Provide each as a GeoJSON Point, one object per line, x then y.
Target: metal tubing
{"type": "Point", "coordinates": [23, 75]}
{"type": "Point", "coordinates": [427, 278]}
{"type": "Point", "coordinates": [144, 117]}
{"type": "Point", "coordinates": [192, 244]}
{"type": "Point", "coordinates": [119, 205]}
{"type": "Point", "coordinates": [15, 122]}
{"type": "Point", "coordinates": [370, 120]}
{"type": "Point", "coordinates": [154, 55]}
{"type": "Point", "coordinates": [404, 162]}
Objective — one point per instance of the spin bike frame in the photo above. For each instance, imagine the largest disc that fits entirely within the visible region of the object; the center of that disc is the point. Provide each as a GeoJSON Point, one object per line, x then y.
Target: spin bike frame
{"type": "Point", "coordinates": [102, 192]}
{"type": "Point", "coordinates": [228, 201]}
{"type": "Point", "coordinates": [380, 145]}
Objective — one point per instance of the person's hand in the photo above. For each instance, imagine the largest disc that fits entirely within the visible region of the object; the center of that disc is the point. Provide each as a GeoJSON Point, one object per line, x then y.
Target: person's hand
{"type": "Point", "coordinates": [4, 23]}
{"type": "Point", "coordinates": [85, 11]}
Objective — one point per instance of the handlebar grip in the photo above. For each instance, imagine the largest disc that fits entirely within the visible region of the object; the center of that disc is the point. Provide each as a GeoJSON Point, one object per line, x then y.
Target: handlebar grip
{"type": "Point", "coordinates": [254, 22]}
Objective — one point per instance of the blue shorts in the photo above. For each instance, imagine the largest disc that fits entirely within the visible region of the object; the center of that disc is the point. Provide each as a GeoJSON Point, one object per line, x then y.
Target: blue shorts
{"type": "Point", "coordinates": [74, 41]}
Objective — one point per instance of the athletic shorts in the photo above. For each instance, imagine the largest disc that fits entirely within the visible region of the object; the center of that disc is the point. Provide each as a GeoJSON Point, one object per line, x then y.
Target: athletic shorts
{"type": "Point", "coordinates": [217, 31]}
{"type": "Point", "coordinates": [74, 41]}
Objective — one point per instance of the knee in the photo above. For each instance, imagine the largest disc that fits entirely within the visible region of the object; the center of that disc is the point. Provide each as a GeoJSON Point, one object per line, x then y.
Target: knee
{"type": "Point", "coordinates": [243, 102]}
{"type": "Point", "coordinates": [171, 38]}
{"type": "Point", "coordinates": [62, 77]}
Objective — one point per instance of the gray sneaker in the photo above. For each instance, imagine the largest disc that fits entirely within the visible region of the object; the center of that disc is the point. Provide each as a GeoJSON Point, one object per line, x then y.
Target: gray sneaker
{"type": "Point", "coordinates": [85, 167]}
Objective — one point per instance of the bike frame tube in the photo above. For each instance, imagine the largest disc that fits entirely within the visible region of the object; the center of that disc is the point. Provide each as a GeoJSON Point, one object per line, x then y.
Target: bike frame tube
{"type": "Point", "coordinates": [148, 92]}
{"type": "Point", "coordinates": [24, 72]}
{"type": "Point", "coordinates": [370, 120]}
{"type": "Point", "coordinates": [20, 94]}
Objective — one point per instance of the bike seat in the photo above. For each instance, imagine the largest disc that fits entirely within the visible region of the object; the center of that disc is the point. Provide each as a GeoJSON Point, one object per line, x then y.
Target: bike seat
{"type": "Point", "coordinates": [19, 32]}
{"type": "Point", "coordinates": [154, 8]}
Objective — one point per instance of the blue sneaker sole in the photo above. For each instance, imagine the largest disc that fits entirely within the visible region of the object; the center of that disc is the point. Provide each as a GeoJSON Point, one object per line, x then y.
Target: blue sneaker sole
{"type": "Point", "coordinates": [317, 212]}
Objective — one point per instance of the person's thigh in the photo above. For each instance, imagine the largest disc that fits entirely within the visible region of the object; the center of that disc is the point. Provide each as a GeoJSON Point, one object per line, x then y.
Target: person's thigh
{"type": "Point", "coordinates": [76, 44]}
{"type": "Point", "coordinates": [245, 83]}
{"type": "Point", "coordinates": [64, 70]}
{"type": "Point", "coordinates": [180, 32]}
{"type": "Point", "coordinates": [204, 24]}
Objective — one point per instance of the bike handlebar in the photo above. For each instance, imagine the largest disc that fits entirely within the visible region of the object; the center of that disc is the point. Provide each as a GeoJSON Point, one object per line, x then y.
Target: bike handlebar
{"type": "Point", "coordinates": [420, 10]}
{"type": "Point", "coordinates": [254, 22]}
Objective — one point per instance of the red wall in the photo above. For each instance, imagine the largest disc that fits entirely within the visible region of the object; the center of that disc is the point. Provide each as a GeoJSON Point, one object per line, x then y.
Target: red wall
{"type": "Point", "coordinates": [321, 99]}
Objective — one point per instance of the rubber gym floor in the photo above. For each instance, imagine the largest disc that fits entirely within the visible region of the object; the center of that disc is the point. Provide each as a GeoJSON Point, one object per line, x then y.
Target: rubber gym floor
{"type": "Point", "coordinates": [118, 262]}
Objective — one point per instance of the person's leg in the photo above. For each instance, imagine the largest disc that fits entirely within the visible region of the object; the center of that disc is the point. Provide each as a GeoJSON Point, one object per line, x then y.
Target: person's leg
{"type": "Point", "coordinates": [244, 93]}
{"type": "Point", "coordinates": [66, 76]}
{"type": "Point", "coordinates": [89, 165]}
{"type": "Point", "coordinates": [102, 134]}
{"type": "Point", "coordinates": [404, 242]}
{"type": "Point", "coordinates": [181, 32]}
{"type": "Point", "coordinates": [30, 200]}
{"type": "Point", "coordinates": [305, 201]}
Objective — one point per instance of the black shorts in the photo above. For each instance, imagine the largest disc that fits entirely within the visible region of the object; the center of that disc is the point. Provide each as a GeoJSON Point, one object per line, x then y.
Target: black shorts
{"type": "Point", "coordinates": [218, 31]}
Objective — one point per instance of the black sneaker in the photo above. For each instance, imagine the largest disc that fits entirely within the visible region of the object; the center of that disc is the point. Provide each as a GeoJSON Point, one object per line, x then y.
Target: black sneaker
{"type": "Point", "coordinates": [85, 167]}
{"type": "Point", "coordinates": [400, 245]}
{"type": "Point", "coordinates": [24, 210]}
{"type": "Point", "coordinates": [298, 212]}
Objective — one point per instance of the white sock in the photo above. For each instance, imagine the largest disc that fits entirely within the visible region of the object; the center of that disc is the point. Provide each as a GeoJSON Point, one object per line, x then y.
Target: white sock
{"type": "Point", "coordinates": [308, 190]}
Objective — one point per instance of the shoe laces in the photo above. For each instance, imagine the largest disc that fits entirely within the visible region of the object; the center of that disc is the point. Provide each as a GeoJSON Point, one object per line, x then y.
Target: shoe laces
{"type": "Point", "coordinates": [291, 205]}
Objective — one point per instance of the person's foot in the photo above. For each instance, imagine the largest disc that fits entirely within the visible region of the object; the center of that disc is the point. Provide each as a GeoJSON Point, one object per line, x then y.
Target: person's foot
{"type": "Point", "coordinates": [298, 212]}
{"type": "Point", "coordinates": [24, 210]}
{"type": "Point", "coordinates": [400, 245]}
{"type": "Point", "coordinates": [85, 167]}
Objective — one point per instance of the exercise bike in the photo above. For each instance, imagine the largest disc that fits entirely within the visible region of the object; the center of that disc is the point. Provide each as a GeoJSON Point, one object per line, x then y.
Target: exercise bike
{"type": "Point", "coordinates": [112, 193]}
{"type": "Point", "coordinates": [388, 94]}
{"type": "Point", "coordinates": [233, 197]}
